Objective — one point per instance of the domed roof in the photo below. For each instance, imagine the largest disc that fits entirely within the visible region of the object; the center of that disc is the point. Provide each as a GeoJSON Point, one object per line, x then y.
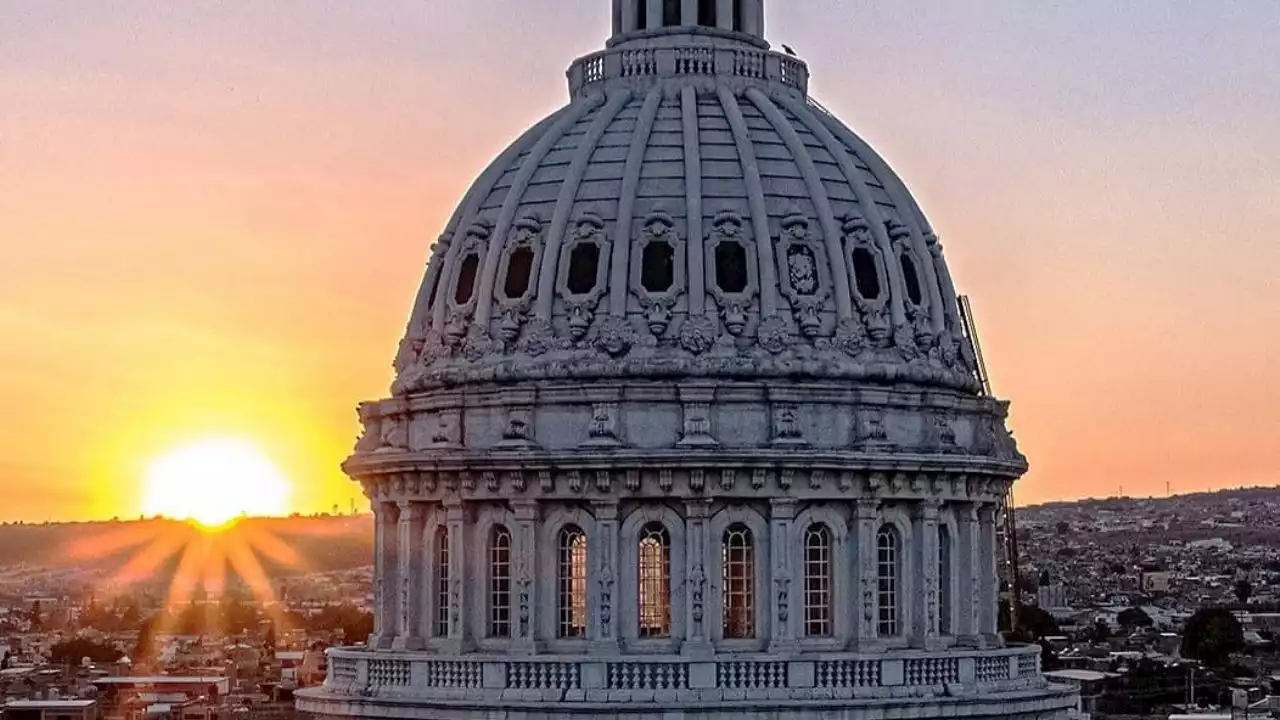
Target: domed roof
{"type": "Point", "coordinates": [690, 212]}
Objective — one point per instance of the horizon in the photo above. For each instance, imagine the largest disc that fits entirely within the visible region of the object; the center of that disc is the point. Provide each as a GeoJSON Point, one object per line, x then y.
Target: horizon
{"type": "Point", "coordinates": [222, 214]}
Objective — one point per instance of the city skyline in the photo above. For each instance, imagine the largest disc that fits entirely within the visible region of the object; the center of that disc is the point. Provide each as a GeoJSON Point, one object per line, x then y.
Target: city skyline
{"type": "Point", "coordinates": [219, 212]}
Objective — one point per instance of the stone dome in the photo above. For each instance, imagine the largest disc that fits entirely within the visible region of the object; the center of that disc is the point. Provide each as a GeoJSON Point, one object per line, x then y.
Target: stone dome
{"type": "Point", "coordinates": [686, 420]}
{"type": "Point", "coordinates": [689, 212]}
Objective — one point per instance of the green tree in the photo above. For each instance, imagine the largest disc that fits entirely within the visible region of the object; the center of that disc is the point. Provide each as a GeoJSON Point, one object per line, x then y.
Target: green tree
{"type": "Point", "coordinates": [72, 652]}
{"type": "Point", "coordinates": [1211, 636]}
{"type": "Point", "coordinates": [1134, 617]}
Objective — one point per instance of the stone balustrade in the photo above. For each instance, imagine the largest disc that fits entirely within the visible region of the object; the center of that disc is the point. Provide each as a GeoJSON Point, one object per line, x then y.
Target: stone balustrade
{"type": "Point", "coordinates": [356, 672]}
{"type": "Point", "coordinates": [742, 61]}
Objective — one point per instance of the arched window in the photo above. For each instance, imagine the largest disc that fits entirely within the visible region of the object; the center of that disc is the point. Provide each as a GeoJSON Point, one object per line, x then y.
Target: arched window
{"type": "Point", "coordinates": [654, 581]}
{"type": "Point", "coordinates": [817, 581]}
{"type": "Point", "coordinates": [499, 582]}
{"type": "Point", "coordinates": [888, 576]}
{"type": "Point", "coordinates": [572, 582]}
{"type": "Point", "coordinates": [739, 582]}
{"type": "Point", "coordinates": [944, 580]}
{"type": "Point", "coordinates": [442, 581]}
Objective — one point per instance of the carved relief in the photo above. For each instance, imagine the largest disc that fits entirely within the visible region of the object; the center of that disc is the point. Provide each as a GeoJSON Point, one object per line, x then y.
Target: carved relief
{"type": "Point", "coordinates": [868, 279]}
{"type": "Point", "coordinates": [786, 425]}
{"type": "Point", "coordinates": [603, 431]}
{"type": "Point", "coordinates": [604, 481]}
{"type": "Point", "coordinates": [697, 426]}
{"type": "Point", "coordinates": [665, 479]}
{"type": "Point", "coordinates": [518, 432]}
{"type": "Point", "coordinates": [803, 274]}
{"type": "Point", "coordinates": [574, 479]}
{"type": "Point", "coordinates": [606, 600]}
{"type": "Point", "coordinates": [616, 336]}
{"type": "Point", "coordinates": [546, 481]}
{"type": "Point", "coordinates": [869, 432]}
{"type": "Point", "coordinates": [697, 480]}
{"type": "Point", "coordinates": [728, 478]}
{"type": "Point", "coordinates": [759, 478]}
{"type": "Point", "coordinates": [698, 334]}
{"type": "Point", "coordinates": [395, 433]}
{"type": "Point", "coordinates": [448, 432]}
{"type": "Point", "coordinates": [580, 285]}
{"type": "Point", "coordinates": [697, 583]}
{"type": "Point", "coordinates": [632, 481]}
{"type": "Point", "coordinates": [371, 438]}
{"type": "Point", "coordinates": [464, 285]}
{"type": "Point", "coordinates": [773, 335]}
{"type": "Point", "coordinates": [783, 584]}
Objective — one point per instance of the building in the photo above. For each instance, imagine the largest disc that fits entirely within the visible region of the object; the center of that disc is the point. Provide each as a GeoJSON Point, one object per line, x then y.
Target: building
{"type": "Point", "coordinates": [686, 420]}
{"type": "Point", "coordinates": [50, 710]}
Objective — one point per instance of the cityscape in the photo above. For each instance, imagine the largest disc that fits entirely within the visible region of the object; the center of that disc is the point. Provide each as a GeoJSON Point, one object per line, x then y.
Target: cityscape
{"type": "Point", "coordinates": [809, 360]}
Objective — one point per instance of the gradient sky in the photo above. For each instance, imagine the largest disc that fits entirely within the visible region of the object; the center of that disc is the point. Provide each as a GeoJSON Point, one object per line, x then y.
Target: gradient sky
{"type": "Point", "coordinates": [214, 216]}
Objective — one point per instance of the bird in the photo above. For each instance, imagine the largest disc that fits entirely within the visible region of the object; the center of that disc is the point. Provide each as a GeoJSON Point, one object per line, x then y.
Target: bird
{"type": "Point", "coordinates": [788, 50]}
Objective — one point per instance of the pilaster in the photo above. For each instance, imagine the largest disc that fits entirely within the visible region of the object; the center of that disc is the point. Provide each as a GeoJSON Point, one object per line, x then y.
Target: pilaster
{"type": "Point", "coordinates": [724, 14]}
{"type": "Point", "coordinates": [990, 587]}
{"type": "Point", "coordinates": [924, 526]}
{"type": "Point", "coordinates": [458, 640]}
{"type": "Point", "coordinates": [409, 547]}
{"type": "Point", "coordinates": [385, 570]}
{"type": "Point", "coordinates": [524, 631]}
{"type": "Point", "coordinates": [654, 14]}
{"type": "Point", "coordinates": [969, 575]}
{"type": "Point", "coordinates": [782, 515]}
{"type": "Point", "coordinates": [603, 594]}
{"type": "Point", "coordinates": [865, 526]}
{"type": "Point", "coordinates": [699, 569]}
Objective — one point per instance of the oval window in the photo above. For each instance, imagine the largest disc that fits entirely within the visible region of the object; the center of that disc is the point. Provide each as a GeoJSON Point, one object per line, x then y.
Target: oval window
{"type": "Point", "coordinates": [466, 284]}
{"type": "Point", "coordinates": [584, 262]}
{"type": "Point", "coordinates": [912, 279]}
{"type": "Point", "coordinates": [519, 273]}
{"type": "Point", "coordinates": [658, 267]}
{"type": "Point", "coordinates": [731, 267]}
{"type": "Point", "coordinates": [865, 273]}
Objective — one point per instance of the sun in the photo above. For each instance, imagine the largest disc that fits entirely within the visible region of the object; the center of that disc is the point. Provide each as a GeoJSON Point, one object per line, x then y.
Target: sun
{"type": "Point", "coordinates": [215, 481]}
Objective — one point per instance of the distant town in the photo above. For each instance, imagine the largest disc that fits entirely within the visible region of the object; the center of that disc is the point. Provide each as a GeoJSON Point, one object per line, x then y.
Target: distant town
{"type": "Point", "coordinates": [1153, 607]}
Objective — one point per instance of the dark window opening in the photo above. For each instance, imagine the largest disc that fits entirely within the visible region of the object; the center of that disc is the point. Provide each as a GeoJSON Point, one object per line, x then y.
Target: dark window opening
{"type": "Point", "coordinates": [670, 13]}
{"type": "Point", "coordinates": [739, 16]}
{"type": "Point", "coordinates": [731, 267]}
{"type": "Point", "coordinates": [707, 13]}
{"type": "Point", "coordinates": [519, 273]}
{"type": "Point", "coordinates": [912, 280]}
{"type": "Point", "coordinates": [866, 274]}
{"type": "Point", "coordinates": [466, 285]}
{"type": "Point", "coordinates": [658, 267]}
{"type": "Point", "coordinates": [642, 15]}
{"type": "Point", "coordinates": [435, 286]}
{"type": "Point", "coordinates": [584, 261]}
{"type": "Point", "coordinates": [802, 270]}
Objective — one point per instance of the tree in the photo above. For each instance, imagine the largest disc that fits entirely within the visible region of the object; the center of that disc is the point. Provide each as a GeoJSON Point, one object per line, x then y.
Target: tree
{"type": "Point", "coordinates": [1211, 636]}
{"type": "Point", "coordinates": [34, 615]}
{"type": "Point", "coordinates": [1243, 590]}
{"type": "Point", "coordinates": [4, 662]}
{"type": "Point", "coordinates": [1101, 631]}
{"type": "Point", "coordinates": [1063, 527]}
{"type": "Point", "coordinates": [1134, 617]}
{"type": "Point", "coordinates": [72, 652]}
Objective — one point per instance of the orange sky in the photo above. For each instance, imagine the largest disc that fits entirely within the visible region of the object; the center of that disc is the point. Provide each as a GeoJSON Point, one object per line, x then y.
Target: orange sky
{"type": "Point", "coordinates": [214, 215]}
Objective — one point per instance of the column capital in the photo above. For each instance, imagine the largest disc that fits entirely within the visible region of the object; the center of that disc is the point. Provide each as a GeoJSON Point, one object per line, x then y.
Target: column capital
{"type": "Point", "coordinates": [697, 509]}
{"type": "Point", "coordinates": [410, 511]}
{"type": "Point", "coordinates": [605, 509]}
{"type": "Point", "coordinates": [928, 509]}
{"type": "Point", "coordinates": [867, 508]}
{"type": "Point", "coordinates": [782, 508]}
{"type": "Point", "coordinates": [524, 509]}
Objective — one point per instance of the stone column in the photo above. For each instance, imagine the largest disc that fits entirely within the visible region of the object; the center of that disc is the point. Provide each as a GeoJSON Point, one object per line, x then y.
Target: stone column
{"type": "Point", "coordinates": [990, 594]}
{"type": "Point", "coordinates": [753, 17]}
{"type": "Point", "coordinates": [724, 14]}
{"type": "Point", "coordinates": [968, 575]}
{"type": "Point", "coordinates": [409, 544]}
{"type": "Point", "coordinates": [655, 14]}
{"type": "Point", "coordinates": [524, 569]}
{"type": "Point", "coordinates": [787, 612]}
{"type": "Point", "coordinates": [602, 598]}
{"type": "Point", "coordinates": [924, 599]}
{"type": "Point", "coordinates": [699, 570]}
{"type": "Point", "coordinates": [385, 570]}
{"type": "Point", "coordinates": [865, 527]}
{"type": "Point", "coordinates": [688, 12]}
{"type": "Point", "coordinates": [457, 640]}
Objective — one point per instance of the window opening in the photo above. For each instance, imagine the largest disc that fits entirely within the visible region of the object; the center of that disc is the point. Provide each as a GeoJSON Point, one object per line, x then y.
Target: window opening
{"type": "Point", "coordinates": [817, 581]}
{"type": "Point", "coordinates": [500, 582]}
{"type": "Point", "coordinates": [739, 15]}
{"type": "Point", "coordinates": [519, 272]}
{"type": "Point", "coordinates": [707, 13]}
{"type": "Point", "coordinates": [670, 13]}
{"type": "Point", "coordinates": [887, 575]}
{"type": "Point", "coordinates": [658, 266]}
{"type": "Point", "coordinates": [912, 279]}
{"type": "Point", "coordinates": [731, 267]}
{"type": "Point", "coordinates": [866, 273]}
{"type": "Point", "coordinates": [572, 579]}
{"type": "Point", "coordinates": [739, 583]}
{"type": "Point", "coordinates": [642, 15]}
{"type": "Point", "coordinates": [442, 582]}
{"type": "Point", "coordinates": [655, 581]}
{"type": "Point", "coordinates": [944, 580]}
{"type": "Point", "coordinates": [584, 262]}
{"type": "Point", "coordinates": [466, 286]}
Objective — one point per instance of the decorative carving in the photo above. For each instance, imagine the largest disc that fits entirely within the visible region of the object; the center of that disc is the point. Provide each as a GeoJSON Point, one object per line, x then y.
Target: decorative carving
{"type": "Point", "coordinates": [844, 481]}
{"type": "Point", "coordinates": [581, 306]}
{"type": "Point", "coordinates": [468, 480]}
{"type": "Point", "coordinates": [455, 605]}
{"type": "Point", "coordinates": [786, 425]}
{"type": "Point", "coordinates": [802, 271]}
{"type": "Point", "coordinates": [783, 584]}
{"type": "Point", "coordinates": [632, 480]}
{"type": "Point", "coordinates": [395, 433]}
{"type": "Point", "coordinates": [940, 434]}
{"type": "Point", "coordinates": [728, 478]}
{"type": "Point", "coordinates": [851, 337]}
{"type": "Point", "coordinates": [539, 338]}
{"type": "Point", "coordinates": [516, 480]}
{"type": "Point", "coordinates": [816, 478]}
{"type": "Point", "coordinates": [606, 600]}
{"type": "Point", "coordinates": [575, 481]}
{"type": "Point", "coordinates": [786, 477]}
{"type": "Point", "coordinates": [759, 478]}
{"type": "Point", "coordinates": [697, 426]}
{"type": "Point", "coordinates": [491, 481]}
{"type": "Point", "coordinates": [448, 432]}
{"type": "Point", "coordinates": [526, 582]}
{"type": "Point", "coordinates": [698, 334]}
{"type": "Point", "coordinates": [773, 335]}
{"type": "Point", "coordinates": [697, 583]}
{"type": "Point", "coordinates": [665, 479]}
{"type": "Point", "coordinates": [697, 480]}
{"type": "Point", "coordinates": [616, 336]}
{"type": "Point", "coordinates": [546, 481]}
{"type": "Point", "coordinates": [371, 439]}
{"type": "Point", "coordinates": [604, 425]}
{"type": "Point", "coordinates": [519, 428]}
{"type": "Point", "coordinates": [525, 239]}
{"type": "Point", "coordinates": [603, 481]}
{"type": "Point", "coordinates": [869, 432]}
{"type": "Point", "coordinates": [735, 304]}
{"type": "Point", "coordinates": [658, 303]}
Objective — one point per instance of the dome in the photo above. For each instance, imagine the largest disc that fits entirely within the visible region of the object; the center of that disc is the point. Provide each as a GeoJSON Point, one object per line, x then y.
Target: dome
{"type": "Point", "coordinates": [690, 211]}
{"type": "Point", "coordinates": [686, 420]}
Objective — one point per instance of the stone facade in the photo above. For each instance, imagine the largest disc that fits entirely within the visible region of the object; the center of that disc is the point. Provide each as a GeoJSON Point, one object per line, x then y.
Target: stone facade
{"type": "Point", "coordinates": [686, 421]}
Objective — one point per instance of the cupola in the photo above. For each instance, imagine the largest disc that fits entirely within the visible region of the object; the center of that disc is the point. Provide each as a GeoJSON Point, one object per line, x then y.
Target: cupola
{"type": "Point", "coordinates": [639, 16]}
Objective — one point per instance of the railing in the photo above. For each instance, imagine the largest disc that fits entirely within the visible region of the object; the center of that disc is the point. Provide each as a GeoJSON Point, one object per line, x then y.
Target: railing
{"type": "Point", "coordinates": [359, 672]}
{"type": "Point", "coordinates": [688, 60]}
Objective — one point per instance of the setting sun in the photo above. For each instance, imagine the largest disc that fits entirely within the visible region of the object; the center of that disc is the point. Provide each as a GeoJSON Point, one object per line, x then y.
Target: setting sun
{"type": "Point", "coordinates": [215, 481]}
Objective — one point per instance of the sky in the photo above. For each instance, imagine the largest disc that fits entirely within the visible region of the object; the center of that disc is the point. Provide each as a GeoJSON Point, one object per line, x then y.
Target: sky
{"type": "Point", "coordinates": [214, 216]}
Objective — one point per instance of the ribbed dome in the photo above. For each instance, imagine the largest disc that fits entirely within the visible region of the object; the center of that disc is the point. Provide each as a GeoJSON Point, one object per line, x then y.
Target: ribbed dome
{"type": "Point", "coordinates": [690, 204]}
